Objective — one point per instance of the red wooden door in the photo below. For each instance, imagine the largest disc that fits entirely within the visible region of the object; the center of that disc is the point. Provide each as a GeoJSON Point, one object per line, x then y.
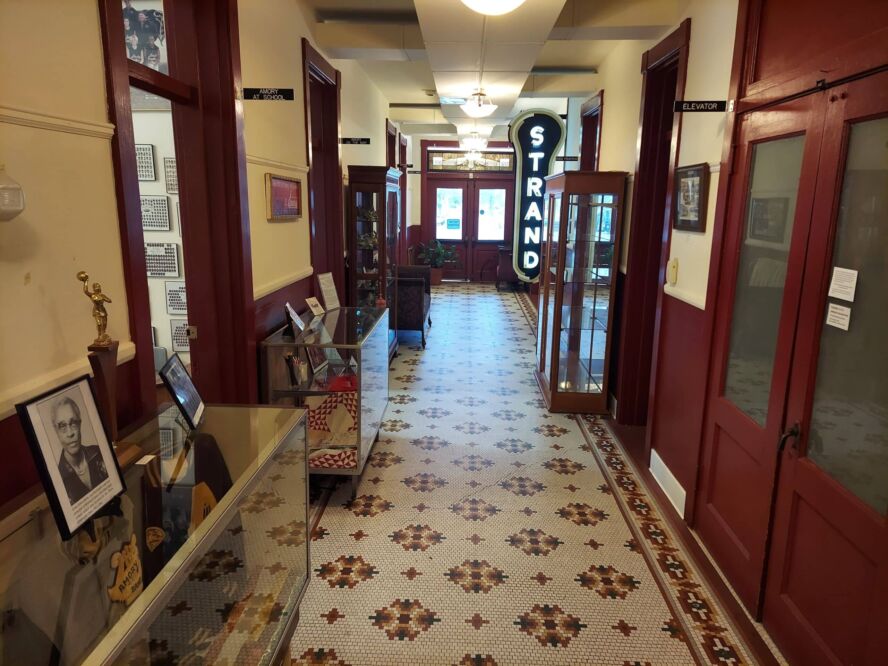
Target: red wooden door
{"type": "Point", "coordinates": [772, 188]}
{"type": "Point", "coordinates": [826, 599]}
{"type": "Point", "coordinates": [491, 221]}
{"type": "Point", "coordinates": [449, 206]}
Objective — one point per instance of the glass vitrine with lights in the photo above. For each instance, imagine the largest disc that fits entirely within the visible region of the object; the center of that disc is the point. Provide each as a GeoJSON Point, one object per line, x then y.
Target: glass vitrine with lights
{"type": "Point", "coordinates": [577, 283]}
{"type": "Point", "coordinates": [372, 228]}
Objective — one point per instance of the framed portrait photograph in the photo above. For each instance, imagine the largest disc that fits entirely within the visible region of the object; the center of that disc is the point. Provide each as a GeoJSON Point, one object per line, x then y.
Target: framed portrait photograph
{"type": "Point", "coordinates": [283, 198]}
{"type": "Point", "coordinates": [691, 194]}
{"type": "Point", "coordinates": [74, 458]}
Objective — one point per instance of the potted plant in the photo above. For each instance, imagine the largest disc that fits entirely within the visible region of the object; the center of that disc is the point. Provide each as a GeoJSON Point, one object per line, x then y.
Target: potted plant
{"type": "Point", "coordinates": [436, 254]}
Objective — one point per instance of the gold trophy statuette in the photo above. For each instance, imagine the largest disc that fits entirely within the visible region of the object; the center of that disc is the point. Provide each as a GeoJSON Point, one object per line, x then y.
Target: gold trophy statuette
{"type": "Point", "coordinates": [99, 314]}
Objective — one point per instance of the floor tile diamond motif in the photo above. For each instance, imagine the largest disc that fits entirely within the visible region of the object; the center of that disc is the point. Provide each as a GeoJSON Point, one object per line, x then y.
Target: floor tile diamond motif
{"type": "Point", "coordinates": [489, 532]}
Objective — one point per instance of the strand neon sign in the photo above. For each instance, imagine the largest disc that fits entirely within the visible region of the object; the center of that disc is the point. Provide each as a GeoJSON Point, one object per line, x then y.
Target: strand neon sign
{"type": "Point", "coordinates": [536, 136]}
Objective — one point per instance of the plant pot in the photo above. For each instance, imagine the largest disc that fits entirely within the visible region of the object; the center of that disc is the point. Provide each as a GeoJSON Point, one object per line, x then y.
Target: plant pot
{"type": "Point", "coordinates": [437, 275]}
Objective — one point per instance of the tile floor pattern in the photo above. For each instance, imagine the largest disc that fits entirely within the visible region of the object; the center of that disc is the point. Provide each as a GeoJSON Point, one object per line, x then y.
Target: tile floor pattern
{"type": "Point", "coordinates": [486, 531]}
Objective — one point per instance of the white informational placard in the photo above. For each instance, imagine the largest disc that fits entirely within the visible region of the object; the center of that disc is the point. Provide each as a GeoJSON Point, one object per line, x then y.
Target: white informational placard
{"type": "Point", "coordinates": [843, 284]}
{"type": "Point", "coordinates": [328, 291]}
{"type": "Point", "coordinates": [838, 316]}
{"type": "Point", "coordinates": [314, 305]}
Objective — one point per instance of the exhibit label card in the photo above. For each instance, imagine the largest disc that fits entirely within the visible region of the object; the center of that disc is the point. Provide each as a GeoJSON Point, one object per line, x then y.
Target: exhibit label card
{"type": "Point", "coordinates": [838, 316]}
{"type": "Point", "coordinates": [314, 305]}
{"type": "Point", "coordinates": [328, 291]}
{"type": "Point", "coordinates": [843, 284]}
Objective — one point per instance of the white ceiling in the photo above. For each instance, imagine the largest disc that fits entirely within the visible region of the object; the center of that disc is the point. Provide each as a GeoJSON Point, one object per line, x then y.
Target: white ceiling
{"type": "Point", "coordinates": [408, 47]}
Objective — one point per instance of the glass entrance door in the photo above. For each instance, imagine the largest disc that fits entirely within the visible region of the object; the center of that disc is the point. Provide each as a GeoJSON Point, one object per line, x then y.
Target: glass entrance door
{"type": "Point", "coordinates": [450, 212]}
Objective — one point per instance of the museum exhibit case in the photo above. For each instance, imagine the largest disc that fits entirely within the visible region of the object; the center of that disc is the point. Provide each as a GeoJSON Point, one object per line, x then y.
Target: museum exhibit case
{"type": "Point", "coordinates": [203, 558]}
{"type": "Point", "coordinates": [371, 228]}
{"type": "Point", "coordinates": [337, 368]}
{"type": "Point", "coordinates": [581, 254]}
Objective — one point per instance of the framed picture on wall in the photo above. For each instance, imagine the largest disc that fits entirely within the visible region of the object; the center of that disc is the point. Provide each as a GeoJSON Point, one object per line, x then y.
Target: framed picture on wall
{"type": "Point", "coordinates": [145, 161]}
{"type": "Point", "coordinates": [691, 194]}
{"type": "Point", "coordinates": [72, 452]}
{"type": "Point", "coordinates": [171, 177]}
{"type": "Point", "coordinates": [767, 220]}
{"type": "Point", "coordinates": [283, 198]}
{"type": "Point", "coordinates": [155, 212]}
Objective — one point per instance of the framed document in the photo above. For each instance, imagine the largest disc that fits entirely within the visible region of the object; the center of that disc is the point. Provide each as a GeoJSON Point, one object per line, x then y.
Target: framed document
{"type": "Point", "coordinates": [314, 305]}
{"type": "Point", "coordinates": [691, 196]}
{"type": "Point", "coordinates": [283, 198]}
{"type": "Point", "coordinates": [74, 458]}
{"type": "Point", "coordinates": [328, 291]}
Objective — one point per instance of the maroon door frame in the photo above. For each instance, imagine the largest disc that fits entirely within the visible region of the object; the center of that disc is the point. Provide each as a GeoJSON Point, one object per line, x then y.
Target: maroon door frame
{"type": "Point", "coordinates": [209, 145]}
{"type": "Point", "coordinates": [638, 300]}
{"type": "Point", "coordinates": [591, 114]}
{"type": "Point", "coordinates": [402, 165]}
{"type": "Point", "coordinates": [324, 168]}
{"type": "Point", "coordinates": [391, 143]}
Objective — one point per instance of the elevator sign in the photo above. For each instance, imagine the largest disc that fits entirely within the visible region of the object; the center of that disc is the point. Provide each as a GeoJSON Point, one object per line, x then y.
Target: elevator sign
{"type": "Point", "coordinates": [536, 136]}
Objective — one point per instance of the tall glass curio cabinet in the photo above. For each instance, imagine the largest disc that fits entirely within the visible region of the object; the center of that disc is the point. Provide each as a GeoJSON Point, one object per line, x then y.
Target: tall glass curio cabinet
{"type": "Point", "coordinates": [580, 260]}
{"type": "Point", "coordinates": [372, 228]}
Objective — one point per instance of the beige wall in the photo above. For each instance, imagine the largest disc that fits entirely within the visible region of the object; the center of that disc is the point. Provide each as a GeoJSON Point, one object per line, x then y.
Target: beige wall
{"type": "Point", "coordinates": [708, 76]}
{"type": "Point", "coordinates": [56, 142]}
{"type": "Point", "coordinates": [271, 33]}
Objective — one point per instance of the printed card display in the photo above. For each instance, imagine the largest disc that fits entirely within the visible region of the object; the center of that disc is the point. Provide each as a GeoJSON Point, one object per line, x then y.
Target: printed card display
{"type": "Point", "coordinates": [314, 305]}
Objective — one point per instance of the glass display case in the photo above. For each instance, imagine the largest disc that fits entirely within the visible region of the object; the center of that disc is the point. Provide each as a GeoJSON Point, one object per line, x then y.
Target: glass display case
{"type": "Point", "coordinates": [372, 228]}
{"type": "Point", "coordinates": [204, 558]}
{"type": "Point", "coordinates": [337, 368]}
{"type": "Point", "coordinates": [581, 254]}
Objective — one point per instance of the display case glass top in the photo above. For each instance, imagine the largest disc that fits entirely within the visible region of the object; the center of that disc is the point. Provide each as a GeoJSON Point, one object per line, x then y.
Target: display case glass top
{"type": "Point", "coordinates": [182, 561]}
{"type": "Point", "coordinates": [342, 327]}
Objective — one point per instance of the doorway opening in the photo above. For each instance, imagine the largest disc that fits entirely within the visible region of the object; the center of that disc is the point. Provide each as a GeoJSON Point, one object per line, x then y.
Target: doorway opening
{"type": "Point", "coordinates": [640, 287]}
{"type": "Point", "coordinates": [590, 132]}
{"type": "Point", "coordinates": [322, 115]}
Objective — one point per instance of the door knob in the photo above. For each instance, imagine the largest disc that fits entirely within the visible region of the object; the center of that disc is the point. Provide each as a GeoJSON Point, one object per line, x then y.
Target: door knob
{"type": "Point", "coordinates": [792, 434]}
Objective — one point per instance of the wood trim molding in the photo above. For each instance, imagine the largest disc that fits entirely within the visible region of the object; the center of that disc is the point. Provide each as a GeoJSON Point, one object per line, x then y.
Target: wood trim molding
{"type": "Point", "coordinates": [274, 164]}
{"type": "Point", "coordinates": [47, 121]}
{"type": "Point", "coordinates": [271, 287]}
{"type": "Point", "coordinates": [56, 377]}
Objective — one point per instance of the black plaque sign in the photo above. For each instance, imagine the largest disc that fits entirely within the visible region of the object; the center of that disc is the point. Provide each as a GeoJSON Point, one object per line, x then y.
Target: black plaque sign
{"type": "Point", "coordinates": [355, 141]}
{"type": "Point", "coordinates": [712, 106]}
{"type": "Point", "coordinates": [536, 136]}
{"type": "Point", "coordinates": [268, 94]}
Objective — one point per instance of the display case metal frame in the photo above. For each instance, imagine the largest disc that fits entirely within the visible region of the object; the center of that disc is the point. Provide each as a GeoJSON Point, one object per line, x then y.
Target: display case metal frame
{"type": "Point", "coordinates": [565, 378]}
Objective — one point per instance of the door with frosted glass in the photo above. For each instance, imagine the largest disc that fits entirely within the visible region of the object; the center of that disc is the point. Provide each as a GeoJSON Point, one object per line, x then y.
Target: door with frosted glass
{"type": "Point", "coordinates": [827, 583]}
{"type": "Point", "coordinates": [769, 213]}
{"type": "Point", "coordinates": [450, 213]}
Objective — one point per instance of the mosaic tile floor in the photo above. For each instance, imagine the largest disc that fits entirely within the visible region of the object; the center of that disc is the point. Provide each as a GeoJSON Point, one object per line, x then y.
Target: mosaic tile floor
{"type": "Point", "coordinates": [487, 531]}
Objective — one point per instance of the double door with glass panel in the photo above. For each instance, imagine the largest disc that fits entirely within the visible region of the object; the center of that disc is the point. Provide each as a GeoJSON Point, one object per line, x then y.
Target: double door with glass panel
{"type": "Point", "coordinates": [473, 216]}
{"type": "Point", "coordinates": [793, 498]}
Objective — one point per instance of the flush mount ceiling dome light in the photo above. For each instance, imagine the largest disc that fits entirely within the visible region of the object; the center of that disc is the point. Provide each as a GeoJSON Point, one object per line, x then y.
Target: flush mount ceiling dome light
{"type": "Point", "coordinates": [478, 106]}
{"type": "Point", "coordinates": [493, 7]}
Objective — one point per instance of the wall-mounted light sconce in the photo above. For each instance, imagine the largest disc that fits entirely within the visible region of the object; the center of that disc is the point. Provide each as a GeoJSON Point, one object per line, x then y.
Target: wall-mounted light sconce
{"type": "Point", "coordinates": [12, 197]}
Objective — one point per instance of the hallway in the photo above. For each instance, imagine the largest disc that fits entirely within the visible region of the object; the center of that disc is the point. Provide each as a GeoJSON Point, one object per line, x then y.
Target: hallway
{"type": "Point", "coordinates": [487, 531]}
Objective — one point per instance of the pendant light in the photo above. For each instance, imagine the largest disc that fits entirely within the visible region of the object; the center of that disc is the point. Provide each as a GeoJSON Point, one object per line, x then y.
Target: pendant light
{"type": "Point", "coordinates": [478, 106]}
{"type": "Point", "coordinates": [473, 142]}
{"type": "Point", "coordinates": [493, 7]}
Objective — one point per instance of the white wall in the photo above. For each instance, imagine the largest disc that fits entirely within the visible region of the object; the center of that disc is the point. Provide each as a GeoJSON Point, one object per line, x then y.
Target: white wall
{"type": "Point", "coordinates": [156, 128]}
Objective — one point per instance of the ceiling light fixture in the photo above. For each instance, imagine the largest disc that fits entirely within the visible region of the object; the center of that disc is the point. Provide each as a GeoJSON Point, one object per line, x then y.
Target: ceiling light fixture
{"type": "Point", "coordinates": [478, 106]}
{"type": "Point", "coordinates": [474, 142]}
{"type": "Point", "coordinates": [493, 7]}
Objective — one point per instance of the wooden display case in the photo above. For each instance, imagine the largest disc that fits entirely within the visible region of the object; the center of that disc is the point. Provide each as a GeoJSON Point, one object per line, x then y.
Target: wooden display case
{"type": "Point", "coordinates": [372, 228]}
{"type": "Point", "coordinates": [577, 288]}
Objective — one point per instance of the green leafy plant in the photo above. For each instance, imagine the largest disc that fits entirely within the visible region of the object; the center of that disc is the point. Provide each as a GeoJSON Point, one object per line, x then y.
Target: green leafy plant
{"type": "Point", "coordinates": [436, 254]}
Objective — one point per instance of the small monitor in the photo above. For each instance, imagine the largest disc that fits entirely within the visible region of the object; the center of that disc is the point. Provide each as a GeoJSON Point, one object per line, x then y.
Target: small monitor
{"type": "Point", "coordinates": [183, 390]}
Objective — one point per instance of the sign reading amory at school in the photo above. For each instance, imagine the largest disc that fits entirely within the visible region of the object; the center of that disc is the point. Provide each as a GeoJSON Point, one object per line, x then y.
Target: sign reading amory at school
{"type": "Point", "coordinates": [268, 94]}
{"type": "Point", "coordinates": [537, 136]}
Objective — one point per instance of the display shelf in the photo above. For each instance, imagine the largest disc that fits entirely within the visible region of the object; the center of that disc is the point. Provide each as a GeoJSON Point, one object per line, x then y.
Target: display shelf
{"type": "Point", "coordinates": [576, 297]}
